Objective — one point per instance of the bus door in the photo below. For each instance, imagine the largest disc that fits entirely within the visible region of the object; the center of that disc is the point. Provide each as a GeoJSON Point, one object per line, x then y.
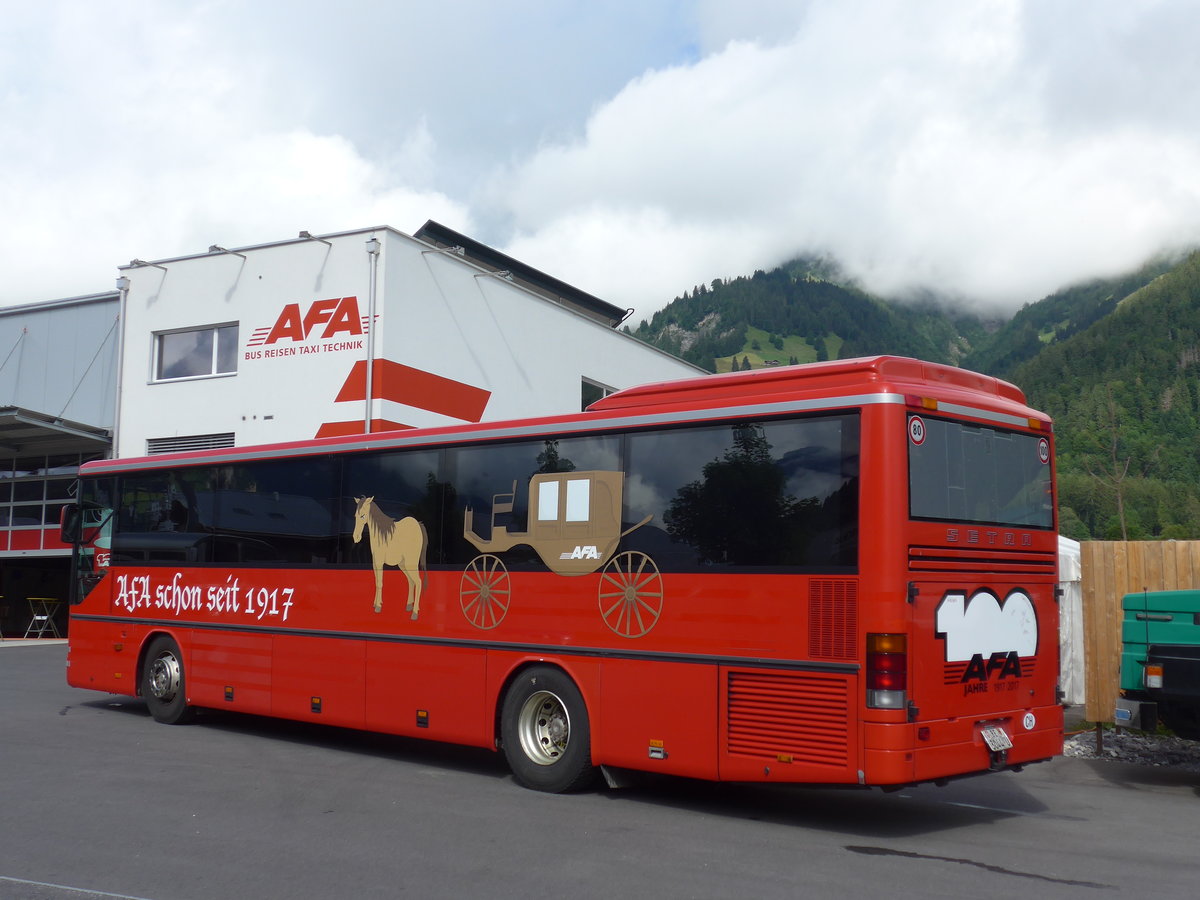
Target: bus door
{"type": "Point", "coordinates": [985, 652]}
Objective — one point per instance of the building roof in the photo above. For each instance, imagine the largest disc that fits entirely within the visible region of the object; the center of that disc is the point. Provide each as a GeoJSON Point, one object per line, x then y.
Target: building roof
{"type": "Point", "coordinates": [471, 250]}
{"type": "Point", "coordinates": [44, 305]}
{"type": "Point", "coordinates": [519, 273]}
{"type": "Point", "coordinates": [24, 432]}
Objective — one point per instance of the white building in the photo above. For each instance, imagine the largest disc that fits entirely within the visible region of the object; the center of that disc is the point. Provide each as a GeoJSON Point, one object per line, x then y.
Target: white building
{"type": "Point", "coordinates": [317, 335]}
{"type": "Point", "coordinates": [320, 335]}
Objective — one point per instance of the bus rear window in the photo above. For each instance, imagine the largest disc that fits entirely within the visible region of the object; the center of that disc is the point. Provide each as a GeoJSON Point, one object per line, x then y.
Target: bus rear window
{"type": "Point", "coordinates": [961, 472]}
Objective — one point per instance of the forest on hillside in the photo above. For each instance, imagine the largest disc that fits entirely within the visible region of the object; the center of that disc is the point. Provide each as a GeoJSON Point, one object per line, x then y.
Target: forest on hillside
{"type": "Point", "coordinates": [1115, 362]}
{"type": "Point", "coordinates": [1125, 397]}
{"type": "Point", "coordinates": [708, 325]}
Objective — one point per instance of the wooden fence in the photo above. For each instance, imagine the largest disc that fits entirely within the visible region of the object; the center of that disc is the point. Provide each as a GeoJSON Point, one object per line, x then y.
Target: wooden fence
{"type": "Point", "coordinates": [1112, 569]}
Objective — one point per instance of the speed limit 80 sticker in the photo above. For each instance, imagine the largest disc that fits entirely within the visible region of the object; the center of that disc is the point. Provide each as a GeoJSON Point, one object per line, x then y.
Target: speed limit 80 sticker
{"type": "Point", "coordinates": [916, 430]}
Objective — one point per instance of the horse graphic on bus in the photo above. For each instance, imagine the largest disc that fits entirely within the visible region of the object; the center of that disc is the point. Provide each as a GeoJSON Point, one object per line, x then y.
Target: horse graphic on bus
{"type": "Point", "coordinates": [575, 527]}
{"type": "Point", "coordinates": [393, 542]}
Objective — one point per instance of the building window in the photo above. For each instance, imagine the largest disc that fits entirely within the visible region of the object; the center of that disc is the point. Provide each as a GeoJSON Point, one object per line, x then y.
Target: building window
{"type": "Point", "coordinates": [593, 391]}
{"type": "Point", "coordinates": [34, 489]}
{"type": "Point", "coordinates": [196, 352]}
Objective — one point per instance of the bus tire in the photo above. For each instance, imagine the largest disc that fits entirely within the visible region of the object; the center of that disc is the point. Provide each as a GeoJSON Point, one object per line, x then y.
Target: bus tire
{"type": "Point", "coordinates": [162, 682]}
{"type": "Point", "coordinates": [545, 732]}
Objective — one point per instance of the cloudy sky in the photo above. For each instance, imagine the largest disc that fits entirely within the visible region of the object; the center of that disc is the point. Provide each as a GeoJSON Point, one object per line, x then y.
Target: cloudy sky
{"type": "Point", "coordinates": [997, 148]}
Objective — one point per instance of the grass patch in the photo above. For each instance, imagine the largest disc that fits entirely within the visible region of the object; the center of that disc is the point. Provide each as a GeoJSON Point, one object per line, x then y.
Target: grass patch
{"type": "Point", "coordinates": [767, 353]}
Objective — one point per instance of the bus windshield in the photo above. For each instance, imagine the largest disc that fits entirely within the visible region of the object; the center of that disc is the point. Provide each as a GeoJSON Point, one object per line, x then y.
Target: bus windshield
{"type": "Point", "coordinates": [963, 472]}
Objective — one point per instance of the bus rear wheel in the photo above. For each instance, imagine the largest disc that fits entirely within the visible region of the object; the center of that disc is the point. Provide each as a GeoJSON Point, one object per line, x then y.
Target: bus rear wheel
{"type": "Point", "coordinates": [545, 732]}
{"type": "Point", "coordinates": [163, 682]}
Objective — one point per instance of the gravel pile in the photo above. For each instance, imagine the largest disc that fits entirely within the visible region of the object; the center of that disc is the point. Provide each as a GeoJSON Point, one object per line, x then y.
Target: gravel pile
{"type": "Point", "coordinates": [1137, 747]}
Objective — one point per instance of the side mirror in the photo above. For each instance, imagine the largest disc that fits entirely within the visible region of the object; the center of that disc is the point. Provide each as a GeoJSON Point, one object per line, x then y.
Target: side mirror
{"type": "Point", "coordinates": [70, 524]}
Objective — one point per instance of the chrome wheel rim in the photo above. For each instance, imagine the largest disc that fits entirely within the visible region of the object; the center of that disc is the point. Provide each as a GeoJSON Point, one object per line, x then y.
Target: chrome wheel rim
{"type": "Point", "coordinates": [544, 727]}
{"type": "Point", "coordinates": [164, 677]}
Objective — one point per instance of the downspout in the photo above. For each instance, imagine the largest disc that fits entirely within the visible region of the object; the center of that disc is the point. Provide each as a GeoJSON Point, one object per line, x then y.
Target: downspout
{"type": "Point", "coordinates": [373, 252]}
{"type": "Point", "coordinates": [123, 287]}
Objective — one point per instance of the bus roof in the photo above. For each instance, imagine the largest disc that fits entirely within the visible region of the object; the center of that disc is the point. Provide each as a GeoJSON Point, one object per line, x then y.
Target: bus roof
{"type": "Point", "coordinates": [822, 376]}
{"type": "Point", "coordinates": [758, 392]}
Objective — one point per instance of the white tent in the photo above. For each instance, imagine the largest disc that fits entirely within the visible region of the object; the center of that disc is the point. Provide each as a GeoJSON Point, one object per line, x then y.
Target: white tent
{"type": "Point", "coordinates": [1070, 633]}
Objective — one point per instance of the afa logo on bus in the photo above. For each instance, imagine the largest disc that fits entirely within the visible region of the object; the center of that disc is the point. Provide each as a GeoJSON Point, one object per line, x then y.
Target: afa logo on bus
{"type": "Point", "coordinates": [989, 634]}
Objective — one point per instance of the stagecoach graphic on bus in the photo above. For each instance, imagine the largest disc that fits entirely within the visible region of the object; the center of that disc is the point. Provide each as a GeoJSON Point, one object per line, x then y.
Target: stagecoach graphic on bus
{"type": "Point", "coordinates": [575, 527]}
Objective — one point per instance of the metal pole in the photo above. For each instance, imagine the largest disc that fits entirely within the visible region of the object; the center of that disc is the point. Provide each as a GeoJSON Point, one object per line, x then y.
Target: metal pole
{"type": "Point", "coordinates": [123, 287]}
{"type": "Point", "coordinates": [373, 252]}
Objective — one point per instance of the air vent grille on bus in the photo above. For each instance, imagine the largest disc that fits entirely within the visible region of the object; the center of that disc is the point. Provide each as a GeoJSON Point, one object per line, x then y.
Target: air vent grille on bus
{"type": "Point", "coordinates": [985, 558]}
{"type": "Point", "coordinates": [189, 442]}
{"type": "Point", "coordinates": [832, 619]}
{"type": "Point", "coordinates": [804, 717]}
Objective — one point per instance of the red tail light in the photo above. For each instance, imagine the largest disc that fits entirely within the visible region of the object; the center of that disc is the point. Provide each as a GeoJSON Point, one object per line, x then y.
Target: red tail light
{"type": "Point", "coordinates": [887, 671]}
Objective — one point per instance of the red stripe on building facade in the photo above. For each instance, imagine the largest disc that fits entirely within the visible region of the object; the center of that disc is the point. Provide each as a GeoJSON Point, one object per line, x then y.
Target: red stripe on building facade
{"type": "Point", "coordinates": [345, 429]}
{"type": "Point", "coordinates": [414, 387]}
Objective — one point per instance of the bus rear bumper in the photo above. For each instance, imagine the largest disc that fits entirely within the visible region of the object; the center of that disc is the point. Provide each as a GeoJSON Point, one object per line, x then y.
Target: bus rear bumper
{"type": "Point", "coordinates": [895, 754]}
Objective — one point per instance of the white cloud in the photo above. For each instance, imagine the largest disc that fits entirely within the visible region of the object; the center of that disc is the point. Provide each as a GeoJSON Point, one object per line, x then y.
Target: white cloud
{"type": "Point", "coordinates": [911, 142]}
{"type": "Point", "coordinates": [995, 148]}
{"type": "Point", "coordinates": [170, 143]}
{"type": "Point", "coordinates": [718, 22]}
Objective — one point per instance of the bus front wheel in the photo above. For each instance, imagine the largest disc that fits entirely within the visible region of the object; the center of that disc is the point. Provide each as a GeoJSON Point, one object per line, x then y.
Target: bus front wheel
{"type": "Point", "coordinates": [163, 682]}
{"type": "Point", "coordinates": [545, 732]}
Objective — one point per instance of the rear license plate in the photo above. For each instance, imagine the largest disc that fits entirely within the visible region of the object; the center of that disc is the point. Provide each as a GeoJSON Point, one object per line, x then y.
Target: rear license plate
{"type": "Point", "coordinates": [997, 739]}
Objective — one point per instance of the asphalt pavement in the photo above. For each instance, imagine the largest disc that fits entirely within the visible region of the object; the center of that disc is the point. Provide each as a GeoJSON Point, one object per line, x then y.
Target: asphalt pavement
{"type": "Point", "coordinates": [99, 801]}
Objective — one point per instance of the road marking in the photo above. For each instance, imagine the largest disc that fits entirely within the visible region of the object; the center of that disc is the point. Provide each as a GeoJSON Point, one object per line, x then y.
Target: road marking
{"type": "Point", "coordinates": [998, 809]}
{"type": "Point", "coordinates": [73, 890]}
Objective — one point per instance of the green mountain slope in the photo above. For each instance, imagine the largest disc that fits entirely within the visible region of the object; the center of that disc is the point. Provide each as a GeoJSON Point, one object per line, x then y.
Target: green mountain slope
{"type": "Point", "coordinates": [804, 316]}
{"type": "Point", "coordinates": [1115, 362]}
{"type": "Point", "coordinates": [1126, 403]}
{"type": "Point", "coordinates": [1056, 318]}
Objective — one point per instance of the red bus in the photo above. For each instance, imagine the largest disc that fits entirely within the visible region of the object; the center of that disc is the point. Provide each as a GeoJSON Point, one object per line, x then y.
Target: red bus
{"type": "Point", "coordinates": [840, 573]}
